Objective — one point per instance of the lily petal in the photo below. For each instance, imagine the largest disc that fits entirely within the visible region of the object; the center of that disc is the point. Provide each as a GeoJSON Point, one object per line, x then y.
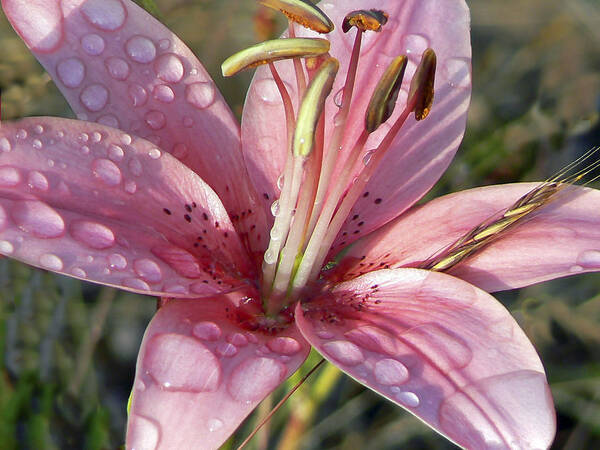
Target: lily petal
{"type": "Point", "coordinates": [199, 375]}
{"type": "Point", "coordinates": [119, 66]}
{"type": "Point", "coordinates": [90, 201]}
{"type": "Point", "coordinates": [441, 348]}
{"type": "Point", "coordinates": [422, 150]}
{"type": "Point", "coordinates": [561, 239]}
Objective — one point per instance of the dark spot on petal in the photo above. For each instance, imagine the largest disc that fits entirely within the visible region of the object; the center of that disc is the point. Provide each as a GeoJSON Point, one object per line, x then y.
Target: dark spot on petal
{"type": "Point", "coordinates": [266, 196]}
{"type": "Point", "coordinates": [355, 217]}
{"type": "Point", "coordinates": [188, 218]}
{"type": "Point", "coordinates": [216, 224]}
{"type": "Point", "coordinates": [360, 224]}
{"type": "Point", "coordinates": [377, 201]}
{"type": "Point", "coordinates": [167, 211]}
{"type": "Point", "coordinates": [205, 216]}
{"type": "Point", "coordinates": [366, 194]}
{"type": "Point", "coordinates": [188, 208]}
{"type": "Point", "coordinates": [194, 205]}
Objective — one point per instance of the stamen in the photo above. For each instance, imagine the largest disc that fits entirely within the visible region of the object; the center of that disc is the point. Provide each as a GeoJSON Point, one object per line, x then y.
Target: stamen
{"type": "Point", "coordinates": [274, 50]}
{"type": "Point", "coordinates": [421, 86]}
{"type": "Point", "coordinates": [303, 13]}
{"type": "Point", "coordinates": [385, 95]}
{"type": "Point", "coordinates": [365, 20]}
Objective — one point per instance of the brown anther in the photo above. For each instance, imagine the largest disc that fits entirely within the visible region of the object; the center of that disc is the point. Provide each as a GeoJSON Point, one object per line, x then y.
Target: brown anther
{"type": "Point", "coordinates": [365, 20]}
{"type": "Point", "coordinates": [422, 83]}
{"type": "Point", "coordinates": [303, 13]}
{"type": "Point", "coordinates": [385, 94]}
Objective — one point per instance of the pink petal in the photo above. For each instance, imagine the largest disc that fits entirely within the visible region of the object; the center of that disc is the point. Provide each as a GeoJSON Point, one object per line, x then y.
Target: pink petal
{"type": "Point", "coordinates": [199, 374]}
{"type": "Point", "coordinates": [446, 351]}
{"type": "Point", "coordinates": [423, 150]}
{"type": "Point", "coordinates": [562, 239]}
{"type": "Point", "coordinates": [117, 65]}
{"type": "Point", "coordinates": [93, 202]}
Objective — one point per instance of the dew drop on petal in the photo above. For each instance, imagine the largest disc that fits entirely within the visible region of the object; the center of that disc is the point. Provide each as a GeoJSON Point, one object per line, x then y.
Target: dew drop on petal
{"type": "Point", "coordinates": [126, 139]}
{"type": "Point", "coordinates": [115, 152]}
{"type": "Point", "coordinates": [107, 171]}
{"type": "Point", "coordinates": [409, 399]}
{"type": "Point", "coordinates": [226, 349]}
{"type": "Point", "coordinates": [37, 144]}
{"type": "Point", "coordinates": [180, 150]}
{"type": "Point", "coordinates": [96, 137]}
{"type": "Point", "coordinates": [117, 68]}
{"type": "Point", "coordinates": [135, 166]}
{"type": "Point", "coordinates": [188, 122]}
{"type": "Point", "coordinates": [214, 425]}
{"type": "Point", "coordinates": [71, 72]}
{"type": "Point", "coordinates": [267, 91]}
{"type": "Point", "coordinates": [21, 134]}
{"type": "Point", "coordinates": [37, 218]}
{"type": "Point", "coordinates": [344, 352]}
{"type": "Point", "coordinates": [117, 261]}
{"type": "Point", "coordinates": [589, 259]}
{"type": "Point", "coordinates": [6, 247]}
{"type": "Point", "coordinates": [275, 208]}
{"type": "Point", "coordinates": [458, 72]}
{"type": "Point", "coordinates": [137, 94]}
{"type": "Point", "coordinates": [200, 95]}
{"type": "Point", "coordinates": [390, 372]}
{"type": "Point", "coordinates": [107, 15]}
{"type": "Point", "coordinates": [84, 149]}
{"type": "Point", "coordinates": [284, 345]}
{"type": "Point", "coordinates": [38, 129]}
{"type": "Point", "coordinates": [9, 176]}
{"type": "Point", "coordinates": [130, 187]}
{"type": "Point", "coordinates": [164, 44]}
{"type": "Point", "coordinates": [323, 334]}
{"type": "Point", "coordinates": [94, 97]}
{"type": "Point", "coordinates": [92, 234]}
{"type": "Point", "coordinates": [108, 120]}
{"type": "Point", "coordinates": [143, 434]}
{"type": "Point", "coordinates": [237, 339]}
{"type": "Point", "coordinates": [136, 283]}
{"type": "Point", "coordinates": [367, 157]}
{"type": "Point", "coordinates": [154, 153]}
{"type": "Point", "coordinates": [254, 378]}
{"type": "Point", "coordinates": [169, 68]}
{"type": "Point", "coordinates": [92, 44]}
{"type": "Point", "coordinates": [270, 257]}
{"type": "Point", "coordinates": [182, 363]}
{"type": "Point", "coordinates": [140, 49]}
{"type": "Point", "coordinates": [338, 97]}
{"type": "Point", "coordinates": [147, 270]}
{"type": "Point", "coordinates": [5, 145]}
{"type": "Point", "coordinates": [373, 339]}
{"type": "Point", "coordinates": [163, 93]}
{"type": "Point", "coordinates": [78, 272]}
{"type": "Point", "coordinates": [155, 119]}
{"type": "Point", "coordinates": [51, 262]}
{"type": "Point", "coordinates": [208, 331]}
{"type": "Point", "coordinates": [415, 45]}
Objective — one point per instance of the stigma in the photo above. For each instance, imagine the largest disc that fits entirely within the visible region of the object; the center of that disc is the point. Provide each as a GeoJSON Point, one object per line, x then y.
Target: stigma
{"type": "Point", "coordinates": [313, 206]}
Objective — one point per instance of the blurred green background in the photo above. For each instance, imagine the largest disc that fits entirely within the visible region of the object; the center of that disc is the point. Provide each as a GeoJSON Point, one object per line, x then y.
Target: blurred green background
{"type": "Point", "coordinates": [68, 349]}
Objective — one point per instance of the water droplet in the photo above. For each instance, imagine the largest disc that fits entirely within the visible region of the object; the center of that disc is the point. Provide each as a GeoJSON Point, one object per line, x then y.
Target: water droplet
{"type": "Point", "coordinates": [575, 269]}
{"type": "Point", "coordinates": [71, 72]}
{"type": "Point", "coordinates": [117, 261]}
{"type": "Point", "coordinates": [143, 434]}
{"type": "Point", "coordinates": [589, 259]}
{"type": "Point", "coordinates": [284, 345]}
{"type": "Point", "coordinates": [266, 89]}
{"type": "Point", "coordinates": [50, 163]}
{"type": "Point", "coordinates": [324, 334]}
{"type": "Point", "coordinates": [409, 399]}
{"type": "Point", "coordinates": [188, 122]}
{"type": "Point", "coordinates": [163, 93]}
{"type": "Point", "coordinates": [226, 349]}
{"type": "Point", "coordinates": [115, 152]}
{"type": "Point", "coordinates": [6, 247]}
{"type": "Point", "coordinates": [458, 72]}
{"type": "Point", "coordinates": [169, 68]}
{"type": "Point", "coordinates": [92, 44]}
{"type": "Point", "coordinates": [126, 139]}
{"type": "Point", "coordinates": [108, 120]}
{"type": "Point", "coordinates": [85, 149]}
{"type": "Point", "coordinates": [147, 270]}
{"type": "Point", "coordinates": [21, 134]}
{"type": "Point", "coordinates": [275, 208]}
{"type": "Point", "coordinates": [117, 68]}
{"type": "Point", "coordinates": [96, 137]}
{"type": "Point", "coordinates": [415, 45]}
{"type": "Point", "coordinates": [38, 219]}
{"type": "Point", "coordinates": [154, 153]}
{"type": "Point", "coordinates": [390, 372]}
{"type": "Point", "coordinates": [38, 129]}
{"type": "Point", "coordinates": [136, 283]}
{"type": "Point", "coordinates": [373, 339]}
{"type": "Point", "coordinates": [135, 166]}
{"type": "Point", "coordinates": [276, 233]}
{"type": "Point", "coordinates": [5, 145]}
{"type": "Point", "coordinates": [164, 44]}
{"type": "Point", "coordinates": [344, 352]}
{"type": "Point", "coordinates": [182, 363]}
{"type": "Point", "coordinates": [237, 339]}
{"type": "Point", "coordinates": [140, 49]}
{"type": "Point", "coordinates": [37, 144]}
{"type": "Point", "coordinates": [270, 257]}
{"type": "Point", "coordinates": [208, 331]}
{"type": "Point", "coordinates": [84, 137]}
{"type": "Point", "coordinates": [51, 262]}
{"type": "Point", "coordinates": [180, 150]}
{"type": "Point", "coordinates": [94, 97]}
{"type": "Point", "coordinates": [280, 182]}
{"type": "Point", "coordinates": [107, 171]}
{"type": "Point", "coordinates": [155, 119]}
{"type": "Point", "coordinates": [214, 425]}
{"type": "Point", "coordinates": [108, 15]}
{"type": "Point", "coordinates": [78, 272]}
{"type": "Point", "coordinates": [9, 176]}
{"type": "Point", "coordinates": [254, 378]}
{"type": "Point", "coordinates": [130, 187]}
{"type": "Point", "coordinates": [367, 157]}
{"type": "Point", "coordinates": [93, 234]}
{"type": "Point", "coordinates": [200, 95]}
{"type": "Point", "coordinates": [338, 97]}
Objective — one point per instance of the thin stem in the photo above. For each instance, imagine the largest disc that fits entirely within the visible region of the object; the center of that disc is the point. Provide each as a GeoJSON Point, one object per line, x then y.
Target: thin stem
{"type": "Point", "coordinates": [300, 78]}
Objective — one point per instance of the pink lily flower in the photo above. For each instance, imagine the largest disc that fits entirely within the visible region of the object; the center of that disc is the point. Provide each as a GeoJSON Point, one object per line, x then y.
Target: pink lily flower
{"type": "Point", "coordinates": [157, 190]}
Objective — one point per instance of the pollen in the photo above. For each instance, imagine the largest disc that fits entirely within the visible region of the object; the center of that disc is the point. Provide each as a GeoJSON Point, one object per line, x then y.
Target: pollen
{"type": "Point", "coordinates": [365, 20]}
{"type": "Point", "coordinates": [303, 13]}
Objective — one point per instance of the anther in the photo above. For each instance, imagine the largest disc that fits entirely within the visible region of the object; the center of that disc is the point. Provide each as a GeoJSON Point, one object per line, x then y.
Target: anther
{"type": "Point", "coordinates": [273, 50]}
{"type": "Point", "coordinates": [365, 20]}
{"type": "Point", "coordinates": [385, 94]}
{"type": "Point", "coordinates": [421, 85]}
{"type": "Point", "coordinates": [312, 106]}
{"type": "Point", "coordinates": [302, 12]}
